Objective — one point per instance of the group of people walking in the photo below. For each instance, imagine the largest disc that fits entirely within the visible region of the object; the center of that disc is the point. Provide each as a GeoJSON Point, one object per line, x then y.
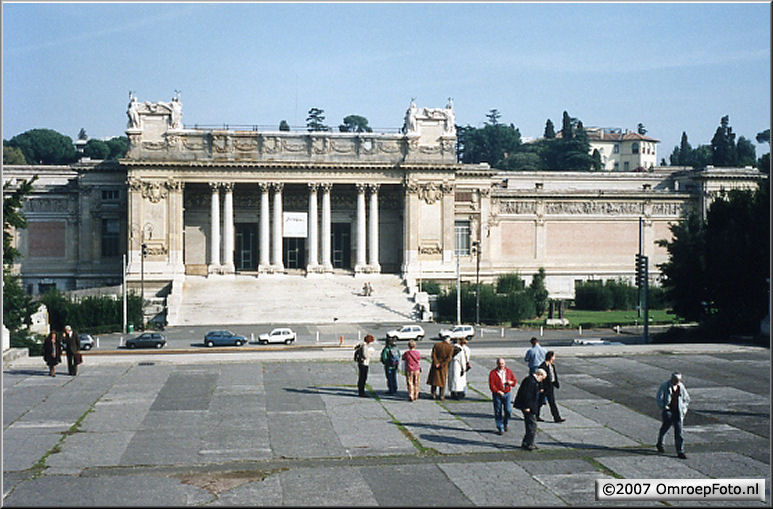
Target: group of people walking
{"type": "Point", "coordinates": [450, 363]}
{"type": "Point", "coordinates": [53, 346]}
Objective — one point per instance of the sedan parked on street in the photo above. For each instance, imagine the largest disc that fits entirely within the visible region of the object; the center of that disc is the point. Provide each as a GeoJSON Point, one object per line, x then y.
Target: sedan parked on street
{"type": "Point", "coordinates": [415, 332]}
{"type": "Point", "coordinates": [147, 340]}
{"type": "Point", "coordinates": [282, 335]}
{"type": "Point", "coordinates": [223, 338]}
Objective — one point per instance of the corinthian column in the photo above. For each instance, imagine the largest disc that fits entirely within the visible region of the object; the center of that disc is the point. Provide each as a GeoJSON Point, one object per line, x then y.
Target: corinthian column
{"type": "Point", "coordinates": [214, 231]}
{"type": "Point", "coordinates": [360, 266]}
{"type": "Point", "coordinates": [264, 228]}
{"type": "Point", "coordinates": [326, 264]}
{"type": "Point", "coordinates": [228, 227]}
{"type": "Point", "coordinates": [373, 230]}
{"type": "Point", "coordinates": [313, 263]}
{"type": "Point", "coordinates": [277, 241]}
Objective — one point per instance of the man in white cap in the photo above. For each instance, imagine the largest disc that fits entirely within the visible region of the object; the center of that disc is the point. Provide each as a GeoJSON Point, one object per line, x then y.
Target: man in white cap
{"type": "Point", "coordinates": [672, 400]}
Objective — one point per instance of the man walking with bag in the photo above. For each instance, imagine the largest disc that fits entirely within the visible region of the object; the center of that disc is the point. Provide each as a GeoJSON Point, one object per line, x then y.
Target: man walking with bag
{"type": "Point", "coordinates": [73, 344]}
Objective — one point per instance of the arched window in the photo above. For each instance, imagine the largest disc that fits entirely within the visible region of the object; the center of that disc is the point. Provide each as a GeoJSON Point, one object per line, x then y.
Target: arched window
{"type": "Point", "coordinates": [635, 147]}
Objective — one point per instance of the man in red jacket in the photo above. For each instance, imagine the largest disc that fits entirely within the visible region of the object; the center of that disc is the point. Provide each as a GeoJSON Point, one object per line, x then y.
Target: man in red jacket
{"type": "Point", "coordinates": [501, 380]}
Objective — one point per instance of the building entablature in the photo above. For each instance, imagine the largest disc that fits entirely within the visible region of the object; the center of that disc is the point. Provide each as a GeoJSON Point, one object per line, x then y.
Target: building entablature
{"type": "Point", "coordinates": [156, 133]}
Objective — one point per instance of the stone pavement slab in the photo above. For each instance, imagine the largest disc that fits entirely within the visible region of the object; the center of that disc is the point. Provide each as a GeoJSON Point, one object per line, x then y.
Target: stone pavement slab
{"type": "Point", "coordinates": [618, 418]}
{"type": "Point", "coordinates": [499, 483]}
{"type": "Point", "coordinates": [332, 486]}
{"type": "Point", "coordinates": [419, 486]}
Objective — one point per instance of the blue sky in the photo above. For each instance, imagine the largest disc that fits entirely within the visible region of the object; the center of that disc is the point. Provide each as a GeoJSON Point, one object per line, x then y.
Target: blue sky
{"type": "Point", "coordinates": [673, 67]}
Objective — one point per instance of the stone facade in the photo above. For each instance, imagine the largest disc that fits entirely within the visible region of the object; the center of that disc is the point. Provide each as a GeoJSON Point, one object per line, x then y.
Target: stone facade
{"type": "Point", "coordinates": [221, 202]}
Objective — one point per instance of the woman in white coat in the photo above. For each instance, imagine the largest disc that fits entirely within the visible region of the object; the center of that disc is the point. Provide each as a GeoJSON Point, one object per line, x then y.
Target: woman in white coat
{"type": "Point", "coordinates": [457, 374]}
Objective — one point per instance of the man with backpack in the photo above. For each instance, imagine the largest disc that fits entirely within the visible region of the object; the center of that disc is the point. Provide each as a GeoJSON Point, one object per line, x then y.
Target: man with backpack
{"type": "Point", "coordinates": [362, 354]}
{"type": "Point", "coordinates": [390, 358]}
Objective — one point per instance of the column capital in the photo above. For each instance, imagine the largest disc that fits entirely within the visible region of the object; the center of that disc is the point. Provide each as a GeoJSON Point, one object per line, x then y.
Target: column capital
{"type": "Point", "coordinates": [326, 186]}
{"type": "Point", "coordinates": [214, 186]}
{"type": "Point", "coordinates": [313, 186]}
{"type": "Point", "coordinates": [374, 187]}
{"type": "Point", "coordinates": [228, 186]}
{"type": "Point", "coordinates": [277, 186]}
{"type": "Point", "coordinates": [361, 187]}
{"type": "Point", "coordinates": [264, 186]}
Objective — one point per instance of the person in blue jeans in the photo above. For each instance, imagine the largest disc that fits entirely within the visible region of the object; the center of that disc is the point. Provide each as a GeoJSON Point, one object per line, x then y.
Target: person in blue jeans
{"type": "Point", "coordinates": [501, 380]}
{"type": "Point", "coordinates": [390, 358]}
{"type": "Point", "coordinates": [672, 400]}
{"type": "Point", "coordinates": [534, 356]}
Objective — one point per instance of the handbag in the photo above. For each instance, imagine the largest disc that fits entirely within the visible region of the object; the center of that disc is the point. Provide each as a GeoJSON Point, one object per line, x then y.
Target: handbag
{"type": "Point", "coordinates": [468, 367]}
{"type": "Point", "coordinates": [78, 358]}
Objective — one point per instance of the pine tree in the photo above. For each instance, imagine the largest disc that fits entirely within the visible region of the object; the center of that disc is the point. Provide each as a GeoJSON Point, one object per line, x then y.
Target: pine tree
{"type": "Point", "coordinates": [550, 131]}
{"type": "Point", "coordinates": [723, 151]}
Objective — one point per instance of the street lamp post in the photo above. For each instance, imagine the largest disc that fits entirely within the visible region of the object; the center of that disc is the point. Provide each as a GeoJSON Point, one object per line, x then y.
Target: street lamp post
{"type": "Point", "coordinates": [143, 252]}
{"type": "Point", "coordinates": [458, 292]}
{"type": "Point", "coordinates": [476, 247]}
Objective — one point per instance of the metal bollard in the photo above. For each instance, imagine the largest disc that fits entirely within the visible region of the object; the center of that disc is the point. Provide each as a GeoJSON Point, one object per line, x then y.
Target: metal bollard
{"type": "Point", "coordinates": [317, 336]}
{"type": "Point", "coordinates": [97, 341]}
{"type": "Point", "coordinates": [359, 335]}
{"type": "Point", "coordinates": [503, 332]}
{"type": "Point", "coordinates": [540, 331]}
{"type": "Point", "coordinates": [580, 330]}
{"type": "Point", "coordinates": [252, 337]}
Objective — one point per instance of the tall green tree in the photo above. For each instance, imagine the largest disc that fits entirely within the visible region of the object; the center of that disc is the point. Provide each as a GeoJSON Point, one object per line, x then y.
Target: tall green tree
{"type": "Point", "coordinates": [12, 155]}
{"type": "Point", "coordinates": [118, 146]}
{"type": "Point", "coordinates": [316, 120]}
{"type": "Point", "coordinates": [493, 143]}
{"type": "Point", "coordinates": [763, 163]}
{"type": "Point", "coordinates": [683, 154]}
{"type": "Point", "coordinates": [539, 292]}
{"type": "Point", "coordinates": [96, 149]}
{"type": "Point", "coordinates": [723, 152]}
{"type": "Point", "coordinates": [745, 152]}
{"type": "Point", "coordinates": [17, 305]}
{"type": "Point", "coordinates": [717, 269]}
{"type": "Point", "coordinates": [355, 124]}
{"type": "Point", "coordinates": [550, 131]}
{"type": "Point", "coordinates": [45, 146]}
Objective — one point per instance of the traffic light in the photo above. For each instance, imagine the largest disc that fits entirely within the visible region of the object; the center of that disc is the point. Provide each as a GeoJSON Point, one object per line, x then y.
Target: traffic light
{"type": "Point", "coordinates": [642, 270]}
{"type": "Point", "coordinates": [144, 249]}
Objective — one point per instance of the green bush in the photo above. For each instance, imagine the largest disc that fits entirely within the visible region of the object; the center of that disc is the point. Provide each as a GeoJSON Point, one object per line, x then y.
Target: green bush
{"type": "Point", "coordinates": [495, 308]}
{"type": "Point", "coordinates": [22, 339]}
{"type": "Point", "coordinates": [592, 295]}
{"type": "Point", "coordinates": [97, 314]}
{"type": "Point", "coordinates": [508, 283]}
{"type": "Point", "coordinates": [431, 287]}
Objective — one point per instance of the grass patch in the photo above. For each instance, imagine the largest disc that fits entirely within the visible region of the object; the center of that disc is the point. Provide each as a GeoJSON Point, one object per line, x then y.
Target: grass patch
{"type": "Point", "coordinates": [608, 319]}
{"type": "Point", "coordinates": [601, 468]}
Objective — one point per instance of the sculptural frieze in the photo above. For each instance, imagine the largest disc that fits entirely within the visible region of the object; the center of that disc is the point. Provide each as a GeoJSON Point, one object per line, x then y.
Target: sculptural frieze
{"type": "Point", "coordinates": [294, 146]}
{"type": "Point", "coordinates": [154, 192]}
{"type": "Point", "coordinates": [389, 147]}
{"type": "Point", "coordinates": [194, 142]}
{"type": "Point", "coordinates": [245, 144]}
{"type": "Point", "coordinates": [47, 205]}
{"type": "Point", "coordinates": [270, 145]}
{"type": "Point", "coordinates": [342, 146]}
{"type": "Point", "coordinates": [221, 143]}
{"type": "Point", "coordinates": [430, 249]}
{"type": "Point", "coordinates": [154, 145]}
{"type": "Point", "coordinates": [593, 208]}
{"type": "Point", "coordinates": [319, 145]}
{"type": "Point", "coordinates": [430, 193]}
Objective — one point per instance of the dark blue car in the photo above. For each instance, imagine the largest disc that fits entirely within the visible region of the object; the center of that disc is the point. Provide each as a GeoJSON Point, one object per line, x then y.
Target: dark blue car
{"type": "Point", "coordinates": [223, 337]}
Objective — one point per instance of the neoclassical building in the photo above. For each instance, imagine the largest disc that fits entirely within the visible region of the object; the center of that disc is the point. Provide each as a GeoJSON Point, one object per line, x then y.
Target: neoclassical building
{"type": "Point", "coordinates": [209, 203]}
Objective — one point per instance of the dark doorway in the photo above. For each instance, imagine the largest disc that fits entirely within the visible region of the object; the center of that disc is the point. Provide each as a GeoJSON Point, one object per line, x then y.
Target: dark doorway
{"type": "Point", "coordinates": [246, 251]}
{"type": "Point", "coordinates": [341, 245]}
{"type": "Point", "coordinates": [294, 253]}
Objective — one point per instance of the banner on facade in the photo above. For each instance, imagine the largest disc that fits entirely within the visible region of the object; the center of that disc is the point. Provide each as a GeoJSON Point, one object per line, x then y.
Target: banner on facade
{"type": "Point", "coordinates": [295, 224]}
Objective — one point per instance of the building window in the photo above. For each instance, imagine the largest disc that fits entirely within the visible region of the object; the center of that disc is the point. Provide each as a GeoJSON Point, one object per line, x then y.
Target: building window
{"type": "Point", "coordinates": [111, 229]}
{"type": "Point", "coordinates": [635, 147]}
{"type": "Point", "coordinates": [616, 148]}
{"type": "Point", "coordinates": [626, 166]}
{"type": "Point", "coordinates": [617, 165]}
{"type": "Point", "coordinates": [462, 237]}
{"type": "Point", "coordinates": [110, 195]}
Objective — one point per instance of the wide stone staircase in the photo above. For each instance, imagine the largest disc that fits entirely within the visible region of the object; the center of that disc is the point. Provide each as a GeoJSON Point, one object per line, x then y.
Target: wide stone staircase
{"type": "Point", "coordinates": [287, 299]}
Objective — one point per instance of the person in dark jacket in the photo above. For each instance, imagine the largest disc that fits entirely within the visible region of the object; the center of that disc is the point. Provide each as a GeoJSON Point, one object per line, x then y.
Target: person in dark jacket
{"type": "Point", "coordinates": [52, 352]}
{"type": "Point", "coordinates": [548, 385]}
{"type": "Point", "coordinates": [73, 344]}
{"type": "Point", "coordinates": [527, 401]}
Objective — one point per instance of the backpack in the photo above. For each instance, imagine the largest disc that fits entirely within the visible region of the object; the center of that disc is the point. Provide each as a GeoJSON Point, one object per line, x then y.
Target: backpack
{"type": "Point", "coordinates": [394, 357]}
{"type": "Point", "coordinates": [359, 353]}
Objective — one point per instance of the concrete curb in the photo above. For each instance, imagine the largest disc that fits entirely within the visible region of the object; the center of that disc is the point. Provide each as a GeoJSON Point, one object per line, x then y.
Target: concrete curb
{"type": "Point", "coordinates": [334, 352]}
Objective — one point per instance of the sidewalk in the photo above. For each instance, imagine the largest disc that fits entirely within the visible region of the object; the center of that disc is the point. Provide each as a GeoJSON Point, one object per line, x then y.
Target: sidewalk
{"type": "Point", "coordinates": [248, 428]}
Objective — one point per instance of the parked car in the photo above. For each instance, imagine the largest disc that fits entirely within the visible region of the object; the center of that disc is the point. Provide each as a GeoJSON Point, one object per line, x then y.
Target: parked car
{"type": "Point", "coordinates": [147, 340]}
{"type": "Point", "coordinates": [407, 332]}
{"type": "Point", "coordinates": [458, 331]}
{"type": "Point", "coordinates": [282, 335]}
{"type": "Point", "coordinates": [223, 338]}
{"type": "Point", "coordinates": [87, 342]}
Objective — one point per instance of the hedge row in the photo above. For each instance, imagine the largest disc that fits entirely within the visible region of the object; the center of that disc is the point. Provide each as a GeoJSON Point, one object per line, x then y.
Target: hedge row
{"type": "Point", "coordinates": [95, 314]}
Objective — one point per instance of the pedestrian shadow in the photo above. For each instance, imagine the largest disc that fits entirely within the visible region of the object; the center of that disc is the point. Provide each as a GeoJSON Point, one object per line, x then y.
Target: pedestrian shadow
{"type": "Point", "coordinates": [334, 391]}
{"type": "Point", "coordinates": [25, 372]}
{"type": "Point", "coordinates": [596, 447]}
{"type": "Point", "coordinates": [455, 440]}
{"type": "Point", "coordinates": [732, 412]}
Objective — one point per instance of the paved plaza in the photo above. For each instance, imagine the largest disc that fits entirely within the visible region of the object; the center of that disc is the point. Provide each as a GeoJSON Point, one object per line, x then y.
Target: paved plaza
{"type": "Point", "coordinates": [287, 428]}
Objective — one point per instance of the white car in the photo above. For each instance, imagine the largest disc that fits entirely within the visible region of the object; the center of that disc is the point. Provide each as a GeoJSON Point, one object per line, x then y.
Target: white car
{"type": "Point", "coordinates": [283, 335]}
{"type": "Point", "coordinates": [407, 332]}
{"type": "Point", "coordinates": [457, 332]}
